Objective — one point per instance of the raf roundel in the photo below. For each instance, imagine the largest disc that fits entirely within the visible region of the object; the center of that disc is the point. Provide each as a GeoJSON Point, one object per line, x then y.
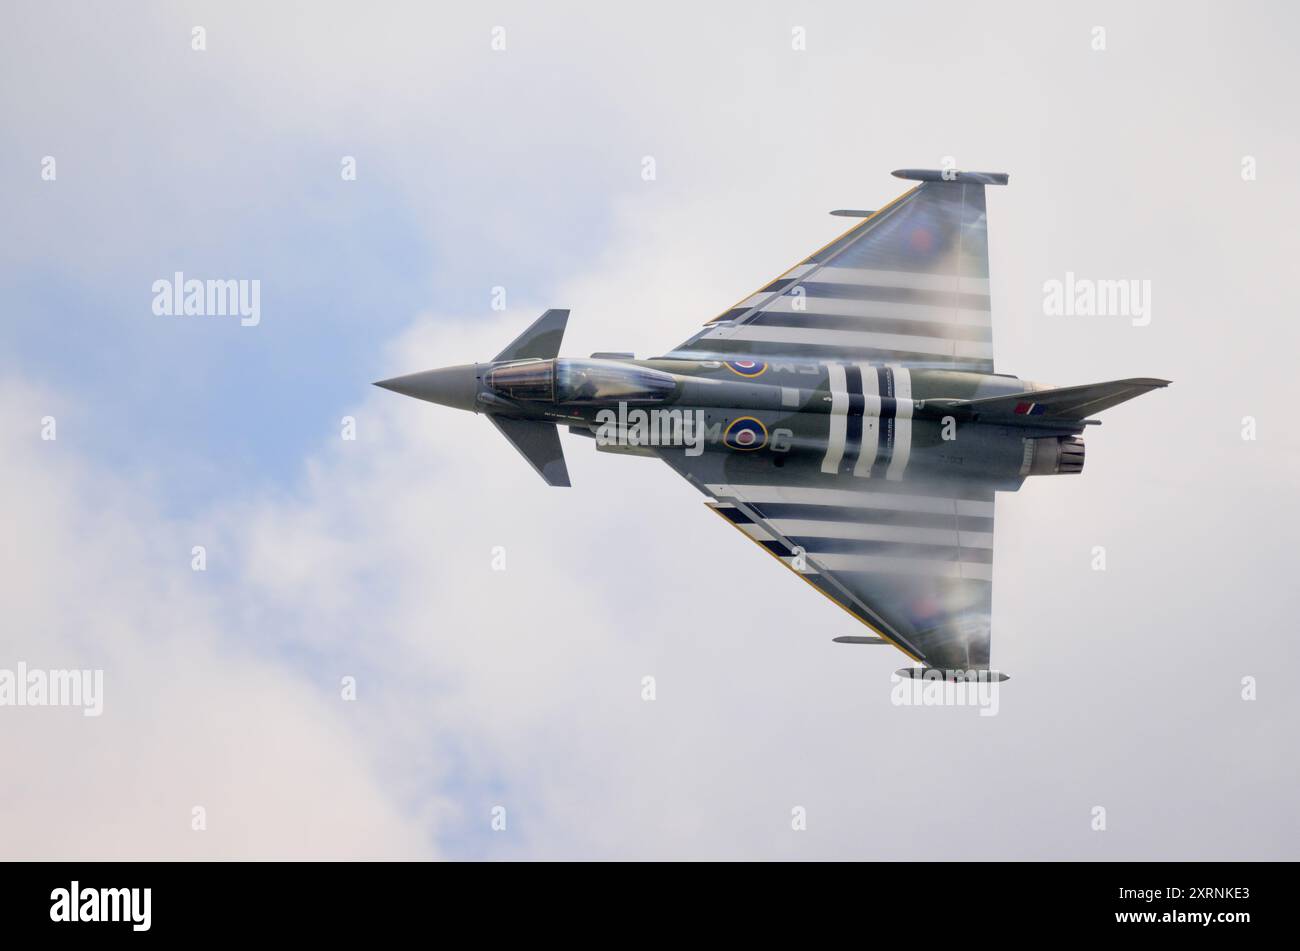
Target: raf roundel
{"type": "Point", "coordinates": [746, 434]}
{"type": "Point", "coordinates": [747, 367]}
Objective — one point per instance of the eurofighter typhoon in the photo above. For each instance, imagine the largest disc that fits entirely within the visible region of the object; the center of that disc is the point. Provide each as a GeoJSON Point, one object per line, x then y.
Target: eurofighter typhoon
{"type": "Point", "coordinates": [846, 416]}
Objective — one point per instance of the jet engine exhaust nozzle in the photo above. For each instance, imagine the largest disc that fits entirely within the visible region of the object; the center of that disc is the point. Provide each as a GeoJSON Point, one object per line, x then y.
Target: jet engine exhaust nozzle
{"type": "Point", "coordinates": [1053, 455]}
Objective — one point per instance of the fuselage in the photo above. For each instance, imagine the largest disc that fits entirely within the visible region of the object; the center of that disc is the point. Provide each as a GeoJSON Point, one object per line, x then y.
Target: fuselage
{"type": "Point", "coordinates": [865, 420]}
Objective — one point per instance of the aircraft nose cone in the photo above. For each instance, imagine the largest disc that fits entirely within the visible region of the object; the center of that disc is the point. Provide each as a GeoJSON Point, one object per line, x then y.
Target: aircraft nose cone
{"type": "Point", "coordinates": [456, 387]}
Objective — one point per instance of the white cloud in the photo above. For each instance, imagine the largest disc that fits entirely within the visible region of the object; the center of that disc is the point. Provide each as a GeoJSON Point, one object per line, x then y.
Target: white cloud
{"type": "Point", "coordinates": [522, 687]}
{"type": "Point", "coordinates": [196, 712]}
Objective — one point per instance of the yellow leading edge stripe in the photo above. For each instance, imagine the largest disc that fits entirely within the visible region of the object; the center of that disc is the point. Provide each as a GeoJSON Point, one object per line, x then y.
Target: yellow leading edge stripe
{"type": "Point", "coordinates": [804, 579]}
{"type": "Point", "coordinates": [839, 237]}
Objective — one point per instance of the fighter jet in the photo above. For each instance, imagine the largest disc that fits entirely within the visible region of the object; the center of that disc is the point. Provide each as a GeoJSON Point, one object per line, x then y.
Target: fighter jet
{"type": "Point", "coordinates": [846, 416]}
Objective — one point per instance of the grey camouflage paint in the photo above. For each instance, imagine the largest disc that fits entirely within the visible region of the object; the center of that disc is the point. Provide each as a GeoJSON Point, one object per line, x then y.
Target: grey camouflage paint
{"type": "Point", "coordinates": [854, 426]}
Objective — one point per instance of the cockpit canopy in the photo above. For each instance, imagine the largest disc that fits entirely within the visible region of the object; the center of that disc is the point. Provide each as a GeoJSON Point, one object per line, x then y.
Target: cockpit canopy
{"type": "Point", "coordinates": [590, 381]}
{"type": "Point", "coordinates": [580, 381]}
{"type": "Point", "coordinates": [530, 380]}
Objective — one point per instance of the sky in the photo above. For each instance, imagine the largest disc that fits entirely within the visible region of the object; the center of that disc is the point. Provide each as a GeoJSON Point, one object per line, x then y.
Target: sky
{"type": "Point", "coordinates": [521, 689]}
